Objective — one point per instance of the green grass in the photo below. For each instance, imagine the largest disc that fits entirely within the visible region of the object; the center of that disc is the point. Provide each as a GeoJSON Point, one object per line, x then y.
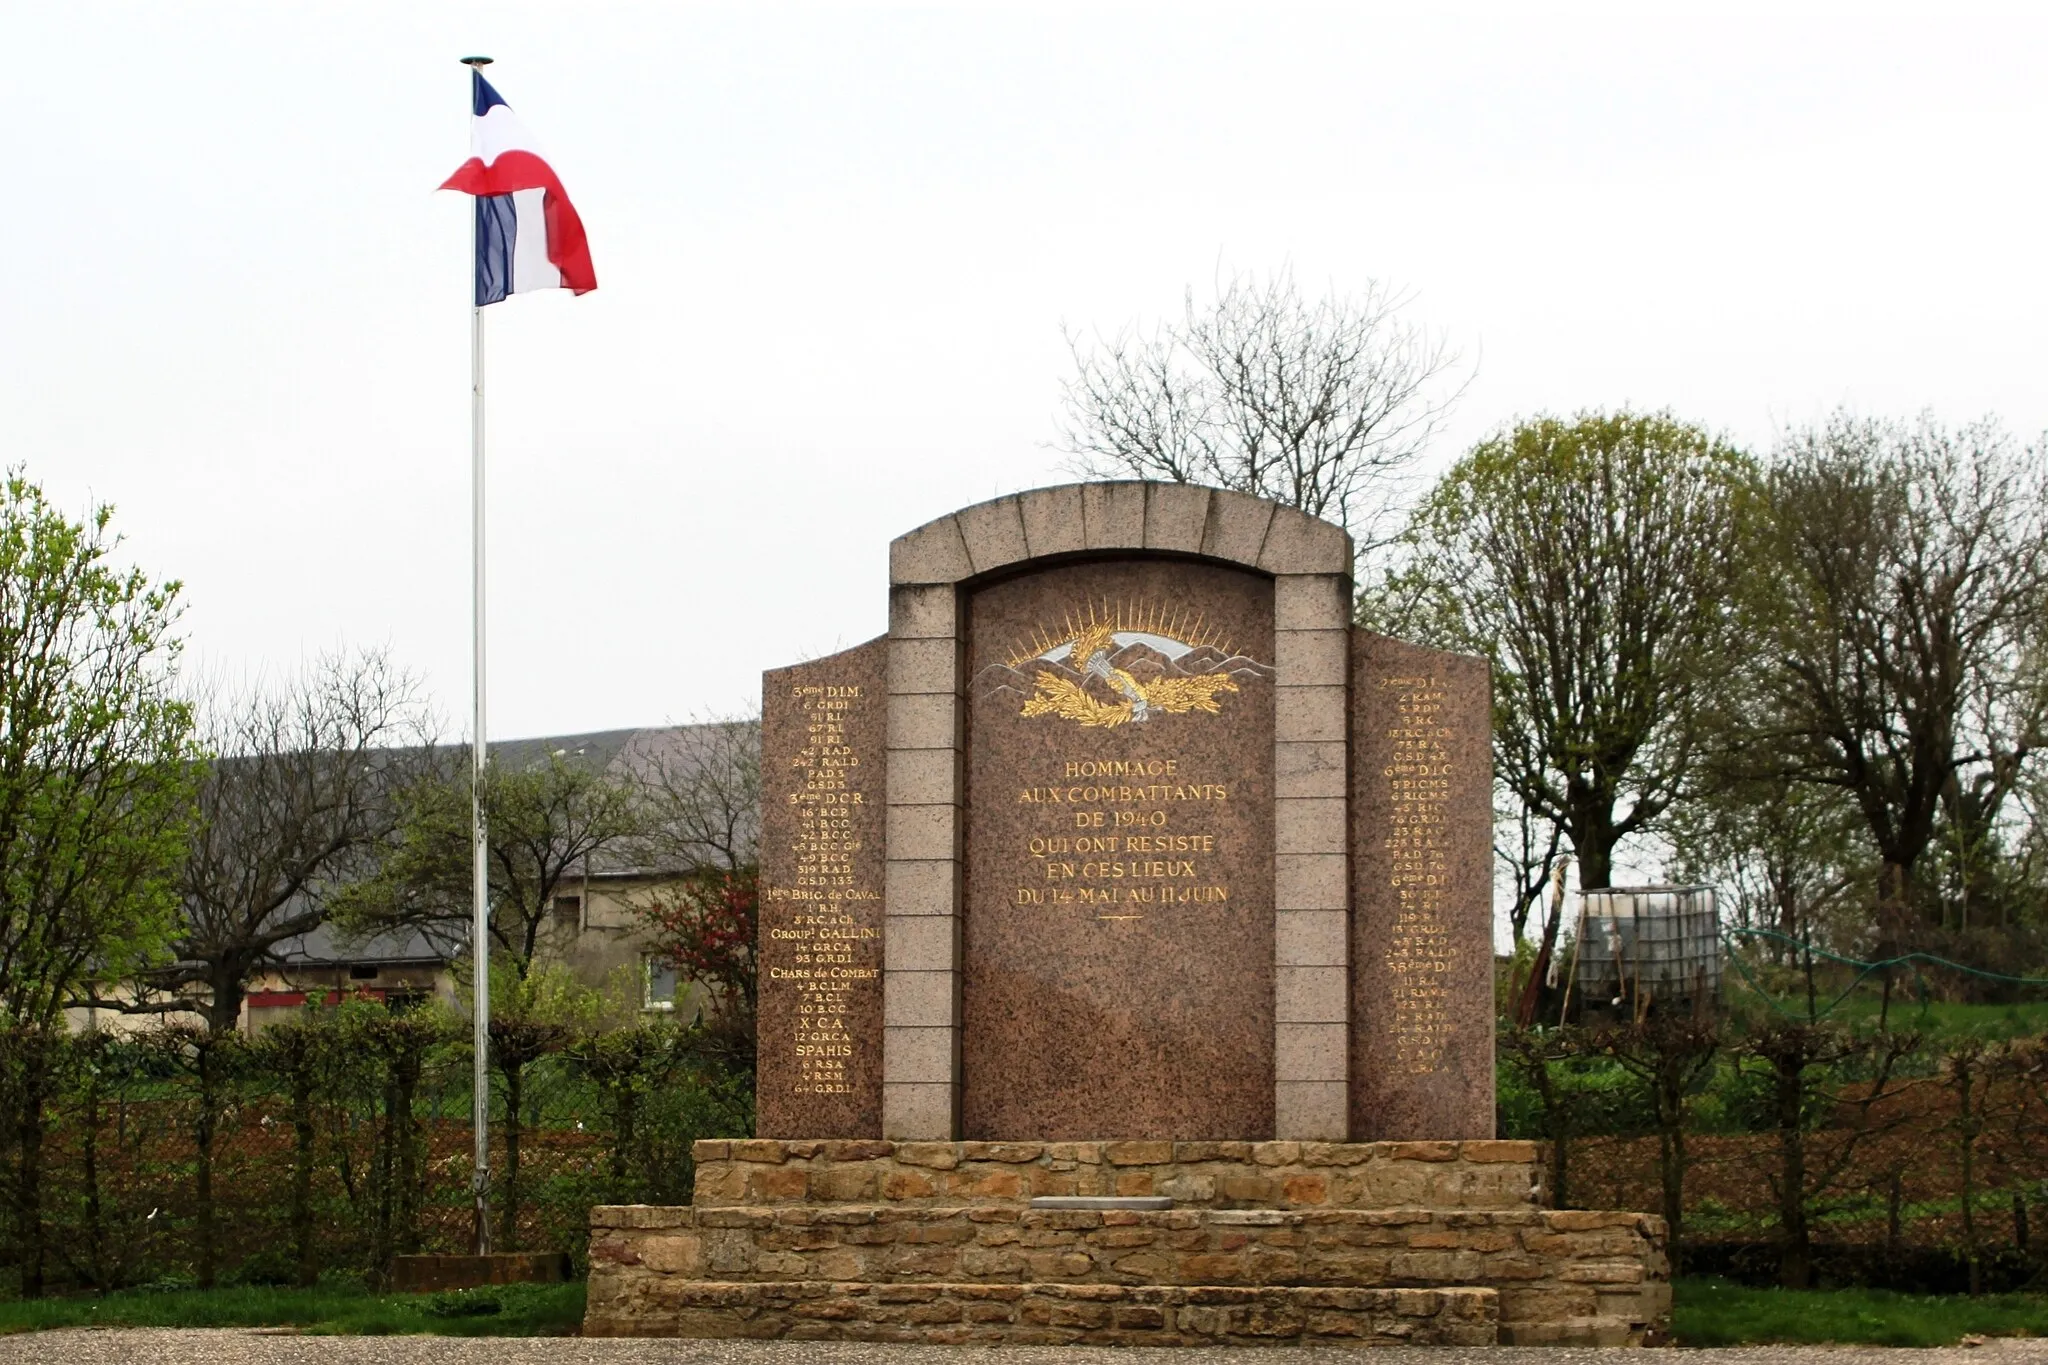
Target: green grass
{"type": "Point", "coordinates": [519, 1310]}
{"type": "Point", "coordinates": [1716, 1313]}
{"type": "Point", "coordinates": [1941, 1019]}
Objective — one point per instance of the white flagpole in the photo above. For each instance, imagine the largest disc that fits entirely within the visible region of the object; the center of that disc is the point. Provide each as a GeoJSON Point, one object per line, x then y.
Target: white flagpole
{"type": "Point", "coordinates": [480, 869]}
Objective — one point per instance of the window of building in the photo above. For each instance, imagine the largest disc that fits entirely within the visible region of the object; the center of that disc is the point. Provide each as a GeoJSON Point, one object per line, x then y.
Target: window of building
{"type": "Point", "coordinates": [569, 911]}
{"type": "Point", "coordinates": [660, 979]}
{"type": "Point", "coordinates": [362, 972]}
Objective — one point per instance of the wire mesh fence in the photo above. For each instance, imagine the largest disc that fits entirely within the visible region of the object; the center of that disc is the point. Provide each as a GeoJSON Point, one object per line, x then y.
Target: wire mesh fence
{"type": "Point", "coordinates": [332, 1143]}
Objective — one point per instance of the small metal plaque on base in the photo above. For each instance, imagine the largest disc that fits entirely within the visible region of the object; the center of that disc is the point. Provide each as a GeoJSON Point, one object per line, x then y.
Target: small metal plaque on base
{"type": "Point", "coordinates": [1098, 1202]}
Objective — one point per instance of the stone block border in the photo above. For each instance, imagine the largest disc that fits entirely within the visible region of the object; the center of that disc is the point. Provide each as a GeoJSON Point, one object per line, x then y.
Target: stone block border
{"type": "Point", "coordinates": [1309, 561]}
{"type": "Point", "coordinates": [1053, 1314]}
{"type": "Point", "coordinates": [1565, 1276]}
{"type": "Point", "coordinates": [764, 1172]}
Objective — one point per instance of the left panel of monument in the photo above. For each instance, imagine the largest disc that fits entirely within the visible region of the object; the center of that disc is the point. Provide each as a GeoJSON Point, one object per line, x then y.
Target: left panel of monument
{"type": "Point", "coordinates": [823, 725]}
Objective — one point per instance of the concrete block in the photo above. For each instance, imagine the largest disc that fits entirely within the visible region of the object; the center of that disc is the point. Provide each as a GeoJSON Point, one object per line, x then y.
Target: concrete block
{"type": "Point", "coordinates": [919, 1111]}
{"type": "Point", "coordinates": [1303, 768]}
{"type": "Point", "coordinates": [1309, 658]}
{"type": "Point", "coordinates": [919, 1055]}
{"type": "Point", "coordinates": [1236, 527]}
{"type": "Point", "coordinates": [924, 611]}
{"type": "Point", "coordinates": [921, 943]}
{"type": "Point", "coordinates": [1310, 1111]}
{"type": "Point", "coordinates": [1306, 714]}
{"type": "Point", "coordinates": [1052, 520]}
{"type": "Point", "coordinates": [1309, 938]}
{"type": "Point", "coordinates": [924, 777]}
{"type": "Point", "coordinates": [934, 553]}
{"type": "Point", "coordinates": [917, 666]}
{"type": "Point", "coordinates": [930, 887]}
{"type": "Point", "coordinates": [922, 832]}
{"type": "Point", "coordinates": [1310, 881]}
{"type": "Point", "coordinates": [920, 999]}
{"type": "Point", "coordinates": [929, 720]}
{"type": "Point", "coordinates": [1176, 514]}
{"type": "Point", "coordinates": [1309, 825]}
{"type": "Point", "coordinates": [1113, 515]}
{"type": "Point", "coordinates": [994, 533]}
{"type": "Point", "coordinates": [1299, 543]}
{"type": "Point", "coordinates": [1302, 995]}
{"type": "Point", "coordinates": [1312, 601]}
{"type": "Point", "coordinates": [1309, 1052]}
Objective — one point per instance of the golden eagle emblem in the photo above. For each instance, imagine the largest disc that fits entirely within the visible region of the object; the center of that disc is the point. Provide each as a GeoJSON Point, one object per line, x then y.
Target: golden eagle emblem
{"type": "Point", "coordinates": [1089, 655]}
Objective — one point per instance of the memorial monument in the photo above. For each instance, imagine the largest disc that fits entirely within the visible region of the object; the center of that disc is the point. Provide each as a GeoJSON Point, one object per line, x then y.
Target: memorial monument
{"type": "Point", "coordinates": [1126, 971]}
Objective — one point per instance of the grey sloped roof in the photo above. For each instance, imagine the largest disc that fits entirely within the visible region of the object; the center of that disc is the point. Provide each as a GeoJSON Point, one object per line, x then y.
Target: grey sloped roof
{"type": "Point", "coordinates": [644, 754]}
{"type": "Point", "coordinates": [599, 748]}
{"type": "Point", "coordinates": [641, 754]}
{"type": "Point", "coordinates": [323, 947]}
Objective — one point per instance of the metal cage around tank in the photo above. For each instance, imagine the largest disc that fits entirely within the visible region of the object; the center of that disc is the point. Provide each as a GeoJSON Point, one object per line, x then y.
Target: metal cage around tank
{"type": "Point", "coordinates": [1640, 944]}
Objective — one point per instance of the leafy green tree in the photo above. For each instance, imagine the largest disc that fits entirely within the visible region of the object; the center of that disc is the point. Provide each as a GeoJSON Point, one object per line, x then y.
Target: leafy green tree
{"type": "Point", "coordinates": [97, 772]}
{"type": "Point", "coordinates": [548, 819]}
{"type": "Point", "coordinates": [1593, 563]}
{"type": "Point", "coordinates": [97, 765]}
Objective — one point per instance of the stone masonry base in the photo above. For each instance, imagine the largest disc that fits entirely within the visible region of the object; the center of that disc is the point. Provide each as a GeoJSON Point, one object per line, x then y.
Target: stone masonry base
{"type": "Point", "coordinates": [1057, 1314]}
{"type": "Point", "coordinates": [1340, 1244]}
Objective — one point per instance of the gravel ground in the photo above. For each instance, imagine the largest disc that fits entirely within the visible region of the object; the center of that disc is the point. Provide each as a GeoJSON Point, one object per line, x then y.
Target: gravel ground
{"type": "Point", "coordinates": [107, 1347]}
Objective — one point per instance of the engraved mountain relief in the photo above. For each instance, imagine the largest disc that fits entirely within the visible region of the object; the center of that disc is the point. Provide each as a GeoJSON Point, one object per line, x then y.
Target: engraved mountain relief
{"type": "Point", "coordinates": [1121, 665]}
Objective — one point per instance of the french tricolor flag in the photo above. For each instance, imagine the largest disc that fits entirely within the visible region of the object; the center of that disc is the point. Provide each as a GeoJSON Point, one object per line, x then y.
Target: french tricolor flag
{"type": "Point", "coordinates": [527, 233]}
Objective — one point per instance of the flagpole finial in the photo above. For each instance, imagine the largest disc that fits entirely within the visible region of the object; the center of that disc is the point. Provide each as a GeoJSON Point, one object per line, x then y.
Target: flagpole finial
{"type": "Point", "coordinates": [476, 61]}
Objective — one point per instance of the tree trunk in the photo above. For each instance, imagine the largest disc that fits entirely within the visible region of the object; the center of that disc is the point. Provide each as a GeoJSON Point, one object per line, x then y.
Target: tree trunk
{"type": "Point", "coordinates": [380, 1247]}
{"type": "Point", "coordinates": [303, 1134]}
{"type": "Point", "coordinates": [223, 1010]}
{"type": "Point", "coordinates": [1795, 1243]}
{"type": "Point", "coordinates": [89, 1159]}
{"type": "Point", "coordinates": [406, 1235]}
{"type": "Point", "coordinates": [624, 1104]}
{"type": "Point", "coordinates": [1531, 1003]}
{"type": "Point", "coordinates": [508, 1216]}
{"type": "Point", "coordinates": [203, 1133]}
{"type": "Point", "coordinates": [1962, 1068]}
{"type": "Point", "coordinates": [1596, 860]}
{"type": "Point", "coordinates": [28, 1195]}
{"type": "Point", "coordinates": [1671, 1160]}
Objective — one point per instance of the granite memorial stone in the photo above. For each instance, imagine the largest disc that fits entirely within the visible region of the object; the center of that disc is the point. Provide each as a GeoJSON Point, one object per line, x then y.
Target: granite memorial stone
{"type": "Point", "coordinates": [1123, 831]}
{"type": "Point", "coordinates": [1126, 973]}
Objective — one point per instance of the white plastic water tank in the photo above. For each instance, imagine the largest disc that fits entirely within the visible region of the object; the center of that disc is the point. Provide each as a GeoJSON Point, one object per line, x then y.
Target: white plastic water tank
{"type": "Point", "coordinates": [1660, 941]}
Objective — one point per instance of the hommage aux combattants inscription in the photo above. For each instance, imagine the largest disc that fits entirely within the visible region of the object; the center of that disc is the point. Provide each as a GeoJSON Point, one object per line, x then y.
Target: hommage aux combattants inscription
{"type": "Point", "coordinates": [1121, 835]}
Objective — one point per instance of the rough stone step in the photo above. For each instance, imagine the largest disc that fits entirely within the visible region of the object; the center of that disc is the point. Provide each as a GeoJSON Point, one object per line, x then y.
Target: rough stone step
{"type": "Point", "coordinates": [1474, 1174]}
{"type": "Point", "coordinates": [1047, 1314]}
{"type": "Point", "coordinates": [1594, 1269]}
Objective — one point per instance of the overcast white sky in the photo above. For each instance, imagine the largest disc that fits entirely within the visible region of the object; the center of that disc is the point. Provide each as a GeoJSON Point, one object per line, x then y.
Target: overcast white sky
{"type": "Point", "coordinates": [836, 247]}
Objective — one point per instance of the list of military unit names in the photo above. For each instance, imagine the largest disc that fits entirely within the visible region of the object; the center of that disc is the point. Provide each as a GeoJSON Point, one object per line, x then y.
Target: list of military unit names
{"type": "Point", "coordinates": [1120, 837]}
{"type": "Point", "coordinates": [824, 941]}
{"type": "Point", "coordinates": [1420, 952]}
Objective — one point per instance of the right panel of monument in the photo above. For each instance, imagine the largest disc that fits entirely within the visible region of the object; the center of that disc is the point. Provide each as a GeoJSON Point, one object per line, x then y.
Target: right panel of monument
{"type": "Point", "coordinates": [1422, 893]}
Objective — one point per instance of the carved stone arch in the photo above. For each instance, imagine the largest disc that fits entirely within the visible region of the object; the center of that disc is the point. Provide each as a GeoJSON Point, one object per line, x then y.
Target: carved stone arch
{"type": "Point", "coordinates": [1309, 561]}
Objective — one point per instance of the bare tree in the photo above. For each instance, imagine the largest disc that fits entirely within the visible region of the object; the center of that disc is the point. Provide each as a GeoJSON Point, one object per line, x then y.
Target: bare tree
{"type": "Point", "coordinates": [1903, 612]}
{"type": "Point", "coordinates": [1321, 404]}
{"type": "Point", "coordinates": [702, 787]}
{"type": "Point", "coordinates": [300, 788]}
{"type": "Point", "coordinates": [1784, 856]}
{"type": "Point", "coordinates": [1527, 847]}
